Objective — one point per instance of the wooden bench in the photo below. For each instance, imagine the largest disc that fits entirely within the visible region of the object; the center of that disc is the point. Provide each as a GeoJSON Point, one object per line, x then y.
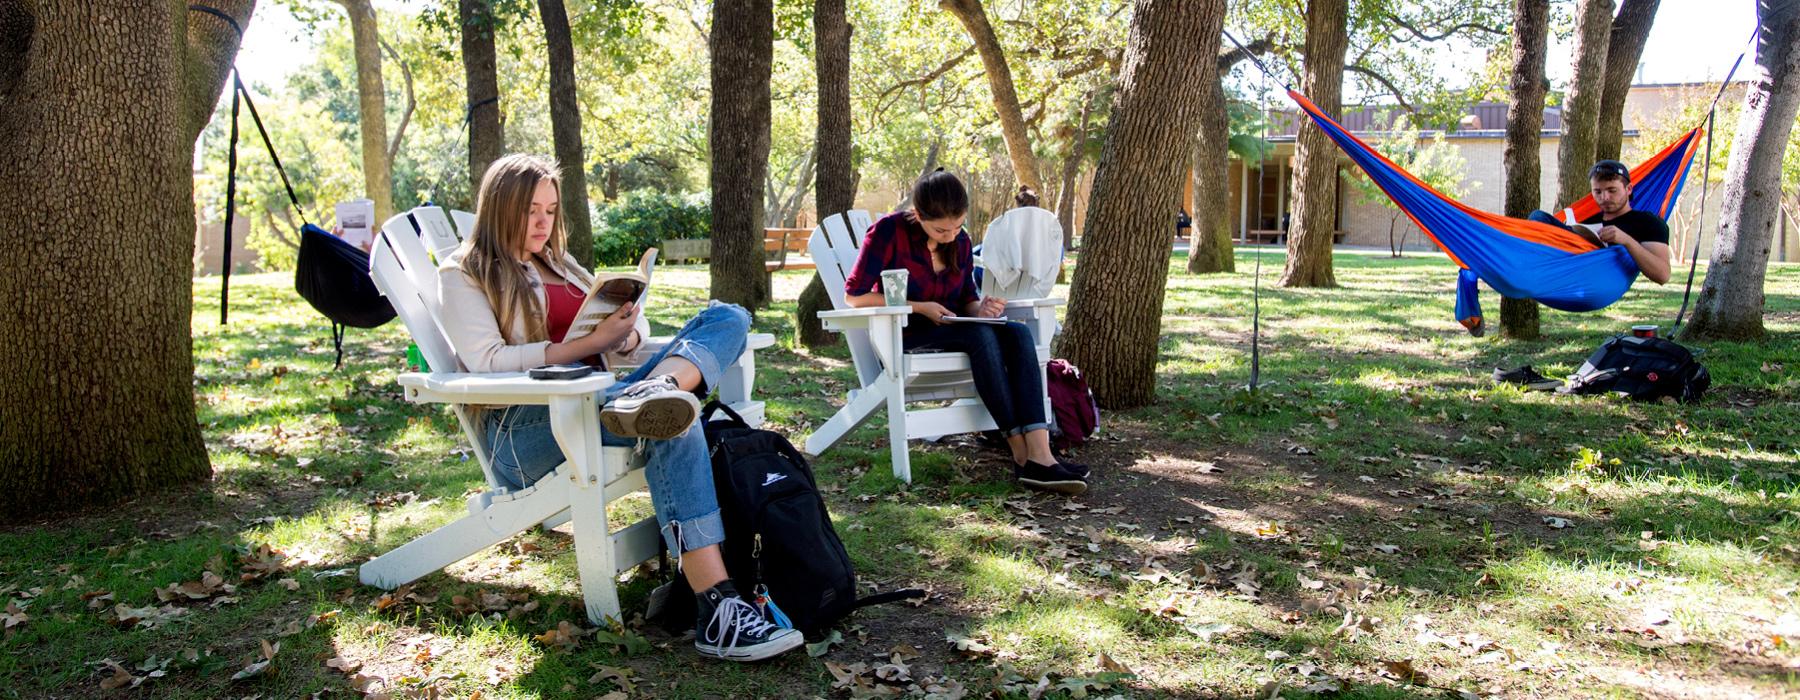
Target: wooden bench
{"type": "Point", "coordinates": [1279, 236]}
{"type": "Point", "coordinates": [778, 243]}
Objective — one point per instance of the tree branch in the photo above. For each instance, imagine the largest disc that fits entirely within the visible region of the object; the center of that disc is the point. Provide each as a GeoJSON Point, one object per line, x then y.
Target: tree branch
{"type": "Point", "coordinates": [926, 79]}
{"type": "Point", "coordinates": [1229, 58]}
{"type": "Point", "coordinates": [1452, 31]}
{"type": "Point", "coordinates": [1385, 82]}
{"type": "Point", "coordinates": [274, 228]}
{"type": "Point", "coordinates": [411, 102]}
{"type": "Point", "coordinates": [211, 46]}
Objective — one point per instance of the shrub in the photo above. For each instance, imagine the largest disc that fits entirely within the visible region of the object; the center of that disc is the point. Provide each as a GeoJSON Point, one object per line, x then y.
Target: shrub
{"type": "Point", "coordinates": [643, 218]}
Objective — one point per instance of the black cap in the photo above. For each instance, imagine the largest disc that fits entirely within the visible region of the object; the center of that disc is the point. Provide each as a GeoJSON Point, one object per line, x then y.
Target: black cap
{"type": "Point", "coordinates": [1609, 170]}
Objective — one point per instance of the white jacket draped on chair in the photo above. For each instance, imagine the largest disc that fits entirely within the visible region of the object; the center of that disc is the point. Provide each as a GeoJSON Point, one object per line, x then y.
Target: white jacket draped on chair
{"type": "Point", "coordinates": [1021, 253]}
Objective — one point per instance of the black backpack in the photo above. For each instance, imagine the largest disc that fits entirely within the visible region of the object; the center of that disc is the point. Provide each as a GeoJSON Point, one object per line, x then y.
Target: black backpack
{"type": "Point", "coordinates": [778, 536]}
{"type": "Point", "coordinates": [1645, 369]}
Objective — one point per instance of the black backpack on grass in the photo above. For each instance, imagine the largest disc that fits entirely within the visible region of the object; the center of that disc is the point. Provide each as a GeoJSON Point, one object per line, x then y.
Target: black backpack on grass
{"type": "Point", "coordinates": [1645, 369]}
{"type": "Point", "coordinates": [778, 535]}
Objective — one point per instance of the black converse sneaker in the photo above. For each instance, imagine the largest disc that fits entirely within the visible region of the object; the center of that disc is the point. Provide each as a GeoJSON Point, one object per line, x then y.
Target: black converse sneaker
{"type": "Point", "coordinates": [732, 629]}
{"type": "Point", "coordinates": [1049, 477]}
{"type": "Point", "coordinates": [1527, 377]}
{"type": "Point", "coordinates": [654, 408]}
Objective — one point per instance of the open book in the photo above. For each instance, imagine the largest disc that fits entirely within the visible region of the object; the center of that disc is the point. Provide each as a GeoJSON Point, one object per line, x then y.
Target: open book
{"type": "Point", "coordinates": [610, 291]}
{"type": "Point", "coordinates": [997, 321]}
{"type": "Point", "coordinates": [1589, 233]}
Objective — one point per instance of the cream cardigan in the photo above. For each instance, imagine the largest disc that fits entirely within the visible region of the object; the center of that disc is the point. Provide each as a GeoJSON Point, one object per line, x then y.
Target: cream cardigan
{"type": "Point", "coordinates": [474, 329]}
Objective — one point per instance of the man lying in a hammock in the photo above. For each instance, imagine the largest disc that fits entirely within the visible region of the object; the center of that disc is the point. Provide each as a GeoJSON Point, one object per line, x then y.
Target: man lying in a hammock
{"type": "Point", "coordinates": [1643, 234]}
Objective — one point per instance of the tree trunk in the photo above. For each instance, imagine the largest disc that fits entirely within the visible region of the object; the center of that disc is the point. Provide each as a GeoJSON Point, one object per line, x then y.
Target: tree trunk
{"type": "Point", "coordinates": [1115, 314]}
{"type": "Point", "coordinates": [99, 107]}
{"type": "Point", "coordinates": [1065, 194]}
{"type": "Point", "coordinates": [1211, 249]}
{"type": "Point", "coordinates": [836, 185]}
{"type": "Point", "coordinates": [378, 178]}
{"type": "Point", "coordinates": [486, 138]}
{"type": "Point", "coordinates": [1524, 127]}
{"type": "Point", "coordinates": [1581, 106]}
{"type": "Point", "coordinates": [565, 127]}
{"type": "Point", "coordinates": [1000, 82]}
{"type": "Point", "coordinates": [1624, 46]}
{"type": "Point", "coordinates": [1315, 156]}
{"type": "Point", "coordinates": [743, 48]}
{"type": "Point", "coordinates": [1731, 300]}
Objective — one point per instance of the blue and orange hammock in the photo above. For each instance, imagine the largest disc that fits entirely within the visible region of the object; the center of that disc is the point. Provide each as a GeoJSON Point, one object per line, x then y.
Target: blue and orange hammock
{"type": "Point", "coordinates": [1519, 258]}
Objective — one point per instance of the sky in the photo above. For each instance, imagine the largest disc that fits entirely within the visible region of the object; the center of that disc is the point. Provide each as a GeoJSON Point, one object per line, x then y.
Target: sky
{"type": "Point", "coordinates": [1691, 41]}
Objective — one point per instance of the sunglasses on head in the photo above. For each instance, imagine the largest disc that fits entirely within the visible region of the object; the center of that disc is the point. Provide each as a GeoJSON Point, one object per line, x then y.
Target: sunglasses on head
{"type": "Point", "coordinates": [619, 290]}
{"type": "Point", "coordinates": [1610, 169]}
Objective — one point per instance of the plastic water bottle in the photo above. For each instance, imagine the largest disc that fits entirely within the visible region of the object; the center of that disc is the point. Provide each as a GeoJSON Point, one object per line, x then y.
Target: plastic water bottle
{"type": "Point", "coordinates": [415, 361]}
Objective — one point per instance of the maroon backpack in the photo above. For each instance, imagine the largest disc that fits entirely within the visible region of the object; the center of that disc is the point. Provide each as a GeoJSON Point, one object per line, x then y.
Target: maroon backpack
{"type": "Point", "coordinates": [1072, 404]}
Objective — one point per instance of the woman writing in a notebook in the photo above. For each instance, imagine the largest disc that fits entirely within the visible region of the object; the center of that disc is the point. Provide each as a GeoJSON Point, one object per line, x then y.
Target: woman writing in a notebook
{"type": "Point", "coordinates": [510, 294]}
{"type": "Point", "coordinates": [929, 243]}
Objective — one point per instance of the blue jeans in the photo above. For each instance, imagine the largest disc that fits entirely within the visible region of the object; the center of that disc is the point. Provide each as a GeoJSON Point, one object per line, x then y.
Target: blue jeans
{"type": "Point", "coordinates": [679, 470]}
{"type": "Point", "coordinates": [1544, 217]}
{"type": "Point", "coordinates": [1003, 358]}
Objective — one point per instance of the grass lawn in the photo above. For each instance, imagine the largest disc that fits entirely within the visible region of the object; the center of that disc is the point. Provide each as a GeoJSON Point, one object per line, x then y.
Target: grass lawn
{"type": "Point", "coordinates": [1379, 521]}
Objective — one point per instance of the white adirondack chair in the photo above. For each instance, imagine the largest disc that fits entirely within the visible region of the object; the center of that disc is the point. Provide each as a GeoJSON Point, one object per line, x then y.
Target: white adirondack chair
{"type": "Point", "coordinates": [580, 490]}
{"type": "Point", "coordinates": [890, 377]}
{"type": "Point", "coordinates": [1021, 253]}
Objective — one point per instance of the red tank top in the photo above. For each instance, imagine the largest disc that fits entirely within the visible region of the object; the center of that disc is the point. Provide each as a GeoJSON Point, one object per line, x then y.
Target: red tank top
{"type": "Point", "coordinates": [562, 300]}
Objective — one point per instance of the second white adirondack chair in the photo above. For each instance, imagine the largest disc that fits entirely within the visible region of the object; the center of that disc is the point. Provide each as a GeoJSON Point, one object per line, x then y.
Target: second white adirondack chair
{"type": "Point", "coordinates": [1021, 253]}
{"type": "Point", "coordinates": [580, 491]}
{"type": "Point", "coordinates": [890, 377]}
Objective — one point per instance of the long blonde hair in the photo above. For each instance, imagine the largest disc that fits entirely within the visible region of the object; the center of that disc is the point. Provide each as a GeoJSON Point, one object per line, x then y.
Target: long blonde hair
{"type": "Point", "coordinates": [491, 254]}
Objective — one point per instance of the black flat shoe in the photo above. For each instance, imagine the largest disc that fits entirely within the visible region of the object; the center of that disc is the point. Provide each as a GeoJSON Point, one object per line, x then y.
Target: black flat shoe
{"type": "Point", "coordinates": [1049, 477]}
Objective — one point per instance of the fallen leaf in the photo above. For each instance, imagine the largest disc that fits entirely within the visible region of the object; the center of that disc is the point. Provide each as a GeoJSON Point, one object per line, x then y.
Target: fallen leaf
{"type": "Point", "coordinates": [262, 664]}
{"type": "Point", "coordinates": [565, 636]}
{"type": "Point", "coordinates": [1206, 631]}
{"type": "Point", "coordinates": [620, 677]}
{"type": "Point", "coordinates": [823, 646]}
{"type": "Point", "coordinates": [120, 678]}
{"type": "Point", "coordinates": [1404, 671]}
{"type": "Point", "coordinates": [1106, 663]}
{"type": "Point", "coordinates": [967, 646]}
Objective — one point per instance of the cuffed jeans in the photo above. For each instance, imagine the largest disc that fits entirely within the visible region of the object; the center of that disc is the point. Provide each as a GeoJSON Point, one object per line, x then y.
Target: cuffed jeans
{"type": "Point", "coordinates": [678, 470]}
{"type": "Point", "coordinates": [1003, 358]}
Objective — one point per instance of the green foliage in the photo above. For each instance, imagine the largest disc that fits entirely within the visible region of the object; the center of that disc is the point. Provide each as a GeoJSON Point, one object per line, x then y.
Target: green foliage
{"type": "Point", "coordinates": [1247, 128]}
{"type": "Point", "coordinates": [641, 219]}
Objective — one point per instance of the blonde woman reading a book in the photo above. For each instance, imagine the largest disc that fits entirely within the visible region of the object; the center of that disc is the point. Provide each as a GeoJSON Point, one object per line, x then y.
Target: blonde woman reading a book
{"type": "Point", "coordinates": [511, 295]}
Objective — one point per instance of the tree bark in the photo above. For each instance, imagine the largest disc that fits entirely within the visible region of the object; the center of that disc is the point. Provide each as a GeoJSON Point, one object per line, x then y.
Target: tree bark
{"type": "Point", "coordinates": [487, 140]}
{"type": "Point", "coordinates": [1315, 156]}
{"type": "Point", "coordinates": [365, 36]}
{"type": "Point", "coordinates": [1624, 46]}
{"type": "Point", "coordinates": [1581, 106]}
{"type": "Point", "coordinates": [836, 185]}
{"type": "Point", "coordinates": [1731, 300]}
{"type": "Point", "coordinates": [1211, 249]}
{"type": "Point", "coordinates": [565, 128]}
{"type": "Point", "coordinates": [94, 90]}
{"type": "Point", "coordinates": [743, 48]}
{"type": "Point", "coordinates": [1115, 314]}
{"type": "Point", "coordinates": [1524, 128]}
{"type": "Point", "coordinates": [1000, 82]}
{"type": "Point", "coordinates": [212, 45]}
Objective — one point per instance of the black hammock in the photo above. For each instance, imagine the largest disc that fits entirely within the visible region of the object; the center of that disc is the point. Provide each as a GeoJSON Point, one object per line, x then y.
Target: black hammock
{"type": "Point", "coordinates": [331, 274]}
